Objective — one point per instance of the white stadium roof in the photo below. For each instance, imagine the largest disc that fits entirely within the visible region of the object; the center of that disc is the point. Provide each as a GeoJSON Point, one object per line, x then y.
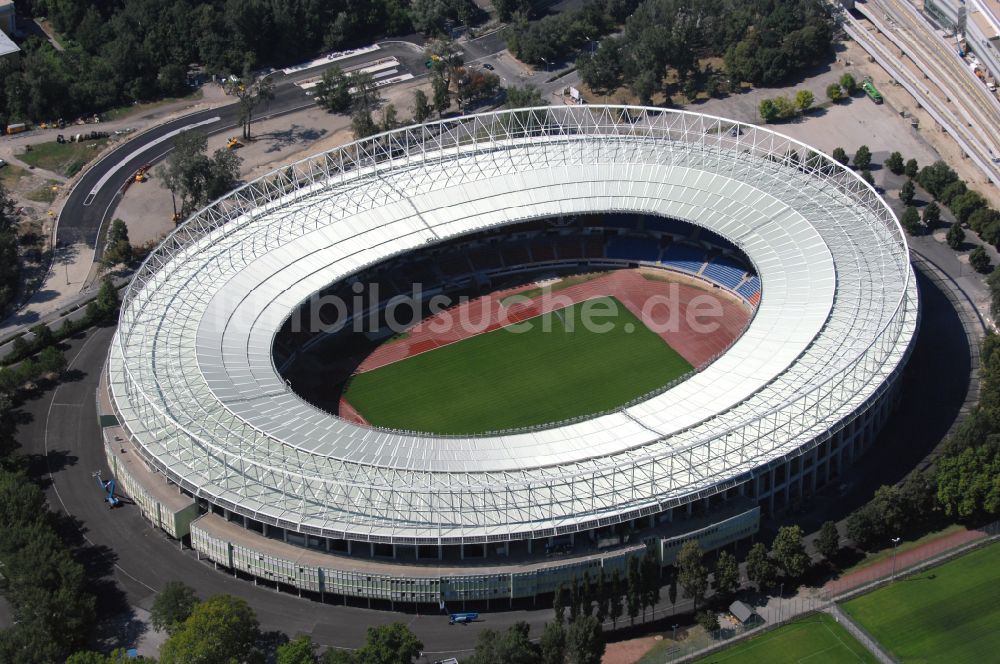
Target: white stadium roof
{"type": "Point", "coordinates": [193, 378]}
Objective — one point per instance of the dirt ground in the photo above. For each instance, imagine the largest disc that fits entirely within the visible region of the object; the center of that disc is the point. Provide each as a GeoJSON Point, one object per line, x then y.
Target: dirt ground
{"type": "Point", "coordinates": [628, 652]}
{"type": "Point", "coordinates": [147, 208]}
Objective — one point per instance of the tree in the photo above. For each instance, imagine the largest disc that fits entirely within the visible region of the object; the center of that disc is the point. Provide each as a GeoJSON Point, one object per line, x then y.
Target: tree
{"type": "Point", "coordinates": [172, 606]}
{"type": "Point", "coordinates": [911, 221]}
{"type": "Point", "coordinates": [421, 106]}
{"type": "Point", "coordinates": [828, 540]}
{"type": "Point", "coordinates": [442, 97]}
{"type": "Point", "coordinates": [840, 155]}
{"type": "Point", "coordinates": [864, 527]}
{"type": "Point", "coordinates": [848, 83]}
{"type": "Point", "coordinates": [834, 92]}
{"type": "Point", "coordinates": [760, 569]}
{"type": "Point", "coordinates": [964, 205]}
{"type": "Point", "coordinates": [768, 110]}
{"type": "Point", "coordinates": [525, 96]}
{"type": "Point", "coordinates": [362, 124]}
{"type": "Point", "coordinates": [615, 611]}
{"type": "Point", "coordinates": [51, 361]}
{"type": "Point", "coordinates": [789, 552]}
{"type": "Point", "coordinates": [967, 484]}
{"type": "Point", "coordinates": [895, 163]}
{"type": "Point", "coordinates": [190, 174]}
{"type": "Point", "coordinates": [692, 575]}
{"type": "Point", "coordinates": [911, 169]}
{"type": "Point", "coordinates": [956, 236]}
{"type": "Point", "coordinates": [785, 106]}
{"type": "Point", "coordinates": [334, 90]}
{"type": "Point", "coordinates": [936, 178]}
{"type": "Point", "coordinates": [117, 248]}
{"type": "Point", "coordinates": [932, 215]}
{"type": "Point", "coordinates": [633, 592]}
{"type": "Point", "coordinates": [649, 581]}
{"type": "Point", "coordinates": [251, 90]}
{"type": "Point", "coordinates": [979, 260]}
{"type": "Point", "coordinates": [389, 118]}
{"type": "Point", "coordinates": [708, 620]}
{"type": "Point", "coordinates": [365, 95]}
{"type": "Point", "coordinates": [603, 597]}
{"type": "Point", "coordinates": [553, 644]}
{"type": "Point", "coordinates": [602, 70]}
{"type": "Point", "coordinates": [672, 588]}
{"type": "Point", "coordinates": [863, 157]}
{"type": "Point", "coordinates": [727, 574]}
{"type": "Point", "coordinates": [907, 192]}
{"type": "Point", "coordinates": [866, 175]}
{"type": "Point", "coordinates": [107, 298]}
{"type": "Point", "coordinates": [559, 603]}
{"type": "Point", "coordinates": [804, 100]}
{"type": "Point", "coordinates": [300, 651]}
{"type": "Point", "coordinates": [982, 218]}
{"type": "Point", "coordinates": [585, 641]}
{"type": "Point", "coordinates": [513, 645]}
{"type": "Point", "coordinates": [390, 644]}
{"type": "Point", "coordinates": [220, 629]}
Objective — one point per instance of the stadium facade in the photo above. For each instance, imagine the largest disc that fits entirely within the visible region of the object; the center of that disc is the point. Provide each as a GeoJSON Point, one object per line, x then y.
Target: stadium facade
{"type": "Point", "coordinates": [215, 447]}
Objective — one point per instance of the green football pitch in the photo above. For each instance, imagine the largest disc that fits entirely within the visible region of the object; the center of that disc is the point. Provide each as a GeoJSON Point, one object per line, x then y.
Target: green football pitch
{"type": "Point", "coordinates": [505, 379]}
{"type": "Point", "coordinates": [815, 639]}
{"type": "Point", "coordinates": [948, 613]}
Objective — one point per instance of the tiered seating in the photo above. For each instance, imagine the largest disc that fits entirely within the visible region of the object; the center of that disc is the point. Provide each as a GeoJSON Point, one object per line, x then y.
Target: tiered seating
{"type": "Point", "coordinates": [751, 289]}
{"type": "Point", "coordinates": [633, 248]}
{"type": "Point", "coordinates": [543, 251]}
{"type": "Point", "coordinates": [453, 265]}
{"type": "Point", "coordinates": [486, 258]}
{"type": "Point", "coordinates": [569, 247]}
{"type": "Point", "coordinates": [515, 255]}
{"type": "Point", "coordinates": [683, 257]}
{"type": "Point", "coordinates": [724, 271]}
{"type": "Point", "coordinates": [593, 247]}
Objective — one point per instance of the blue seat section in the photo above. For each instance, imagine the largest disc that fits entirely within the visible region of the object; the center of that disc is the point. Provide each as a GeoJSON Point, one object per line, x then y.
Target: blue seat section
{"type": "Point", "coordinates": [633, 248]}
{"type": "Point", "coordinates": [750, 288]}
{"type": "Point", "coordinates": [683, 257]}
{"type": "Point", "coordinates": [724, 271]}
{"type": "Point", "coordinates": [667, 225]}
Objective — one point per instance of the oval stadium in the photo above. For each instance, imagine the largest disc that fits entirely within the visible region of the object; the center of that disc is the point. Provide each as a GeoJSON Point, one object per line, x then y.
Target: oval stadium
{"type": "Point", "coordinates": [625, 328]}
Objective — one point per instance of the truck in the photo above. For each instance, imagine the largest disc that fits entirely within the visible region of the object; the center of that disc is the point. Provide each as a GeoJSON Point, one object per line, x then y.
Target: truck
{"type": "Point", "coordinates": [462, 618]}
{"type": "Point", "coordinates": [871, 91]}
{"type": "Point", "coordinates": [16, 128]}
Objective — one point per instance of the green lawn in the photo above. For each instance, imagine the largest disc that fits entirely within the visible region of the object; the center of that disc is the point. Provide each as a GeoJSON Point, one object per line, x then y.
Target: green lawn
{"type": "Point", "coordinates": [66, 159]}
{"type": "Point", "coordinates": [815, 639]}
{"type": "Point", "coordinates": [506, 379]}
{"type": "Point", "coordinates": [947, 614]}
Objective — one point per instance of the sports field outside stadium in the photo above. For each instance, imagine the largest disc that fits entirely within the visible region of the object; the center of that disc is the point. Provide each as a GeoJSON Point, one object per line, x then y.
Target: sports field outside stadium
{"type": "Point", "coordinates": [549, 368]}
{"type": "Point", "coordinates": [947, 613]}
{"type": "Point", "coordinates": [814, 639]}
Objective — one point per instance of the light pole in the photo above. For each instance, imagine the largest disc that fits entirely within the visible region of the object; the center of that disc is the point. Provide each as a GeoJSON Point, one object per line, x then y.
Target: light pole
{"type": "Point", "coordinates": [546, 64]}
{"type": "Point", "coordinates": [781, 595]}
{"type": "Point", "coordinates": [673, 637]}
{"type": "Point", "coordinates": [895, 543]}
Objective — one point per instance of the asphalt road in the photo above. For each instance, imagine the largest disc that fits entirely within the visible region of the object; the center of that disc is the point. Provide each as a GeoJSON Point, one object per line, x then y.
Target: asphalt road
{"type": "Point", "coordinates": [92, 201]}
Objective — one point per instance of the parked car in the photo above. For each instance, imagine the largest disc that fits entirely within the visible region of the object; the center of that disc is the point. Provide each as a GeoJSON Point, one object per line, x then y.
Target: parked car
{"type": "Point", "coordinates": [488, 66]}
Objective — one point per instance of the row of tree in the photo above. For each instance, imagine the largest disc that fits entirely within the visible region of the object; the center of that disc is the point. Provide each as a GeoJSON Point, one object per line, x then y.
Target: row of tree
{"type": "Point", "coordinates": [762, 42]}
{"type": "Point", "coordinates": [10, 259]}
{"type": "Point", "coordinates": [140, 50]}
{"type": "Point", "coordinates": [784, 108]}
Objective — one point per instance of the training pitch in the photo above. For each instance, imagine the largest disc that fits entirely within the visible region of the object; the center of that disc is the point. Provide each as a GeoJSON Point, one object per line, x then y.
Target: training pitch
{"type": "Point", "coordinates": [815, 639]}
{"type": "Point", "coordinates": [948, 613]}
{"type": "Point", "coordinates": [551, 369]}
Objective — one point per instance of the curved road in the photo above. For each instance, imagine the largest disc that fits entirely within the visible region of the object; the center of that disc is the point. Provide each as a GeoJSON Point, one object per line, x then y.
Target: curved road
{"type": "Point", "coordinates": [94, 196]}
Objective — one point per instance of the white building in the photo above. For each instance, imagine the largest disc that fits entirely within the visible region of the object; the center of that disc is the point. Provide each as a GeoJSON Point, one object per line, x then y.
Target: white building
{"type": "Point", "coordinates": [982, 33]}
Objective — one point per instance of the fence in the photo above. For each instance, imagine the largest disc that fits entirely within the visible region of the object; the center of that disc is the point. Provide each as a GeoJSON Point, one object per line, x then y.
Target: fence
{"type": "Point", "coordinates": [690, 644]}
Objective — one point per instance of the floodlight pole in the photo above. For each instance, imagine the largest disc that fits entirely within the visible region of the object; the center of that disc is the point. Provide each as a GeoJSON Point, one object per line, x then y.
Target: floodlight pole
{"type": "Point", "coordinates": [895, 543]}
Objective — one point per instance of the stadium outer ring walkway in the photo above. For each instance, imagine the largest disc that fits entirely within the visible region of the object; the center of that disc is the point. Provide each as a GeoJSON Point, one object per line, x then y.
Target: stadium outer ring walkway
{"type": "Point", "coordinates": [193, 387]}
